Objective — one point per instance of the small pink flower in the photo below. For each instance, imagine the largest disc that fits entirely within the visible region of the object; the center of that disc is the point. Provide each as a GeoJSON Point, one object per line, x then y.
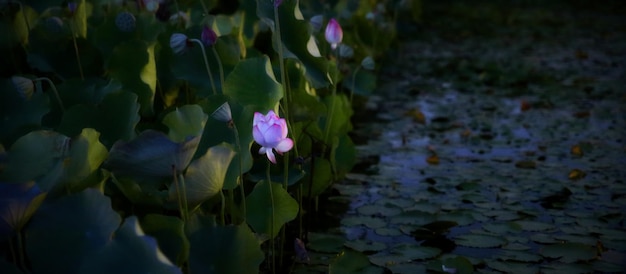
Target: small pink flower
{"type": "Point", "coordinates": [270, 131]}
{"type": "Point", "coordinates": [208, 36]}
{"type": "Point", "coordinates": [333, 33]}
{"type": "Point", "coordinates": [277, 3]}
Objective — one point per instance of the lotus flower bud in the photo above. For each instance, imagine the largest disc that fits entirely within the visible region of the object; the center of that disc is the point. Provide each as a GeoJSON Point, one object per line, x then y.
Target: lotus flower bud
{"type": "Point", "coordinates": [368, 63]}
{"type": "Point", "coordinates": [125, 21]}
{"type": "Point", "coordinates": [208, 36]}
{"type": "Point", "coordinates": [178, 43]}
{"type": "Point", "coordinates": [277, 3]}
{"type": "Point", "coordinates": [24, 86]}
{"type": "Point", "coordinates": [333, 33]}
{"type": "Point", "coordinates": [71, 6]}
{"type": "Point", "coordinates": [316, 22]}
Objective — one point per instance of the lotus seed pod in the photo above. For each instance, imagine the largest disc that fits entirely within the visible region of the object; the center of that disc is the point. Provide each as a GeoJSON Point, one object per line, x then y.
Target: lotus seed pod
{"type": "Point", "coordinates": [178, 43]}
{"type": "Point", "coordinates": [223, 113]}
{"type": "Point", "coordinates": [54, 24]}
{"type": "Point", "coordinates": [23, 86]}
{"type": "Point", "coordinates": [345, 51]}
{"type": "Point", "coordinates": [125, 21]}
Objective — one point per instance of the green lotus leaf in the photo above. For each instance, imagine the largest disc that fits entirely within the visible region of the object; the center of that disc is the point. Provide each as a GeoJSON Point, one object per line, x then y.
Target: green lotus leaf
{"type": "Point", "coordinates": [343, 156]}
{"type": "Point", "coordinates": [18, 116]}
{"type": "Point", "coordinates": [169, 232]}
{"type": "Point", "coordinates": [150, 154]}
{"type": "Point", "coordinates": [19, 202]}
{"type": "Point", "coordinates": [252, 82]}
{"type": "Point", "coordinates": [115, 117]}
{"type": "Point", "coordinates": [132, 63]}
{"type": "Point", "coordinates": [216, 132]}
{"type": "Point", "coordinates": [297, 40]}
{"type": "Point", "coordinates": [65, 232]}
{"type": "Point", "coordinates": [79, 19]}
{"type": "Point", "coordinates": [85, 157]}
{"type": "Point", "coordinates": [205, 176]}
{"type": "Point", "coordinates": [130, 251]}
{"type": "Point", "coordinates": [259, 208]}
{"type": "Point", "coordinates": [340, 121]}
{"type": "Point", "coordinates": [363, 83]}
{"type": "Point", "coordinates": [38, 156]}
{"type": "Point", "coordinates": [224, 250]}
{"type": "Point", "coordinates": [186, 121]}
{"type": "Point", "coordinates": [107, 36]}
{"type": "Point", "coordinates": [322, 177]}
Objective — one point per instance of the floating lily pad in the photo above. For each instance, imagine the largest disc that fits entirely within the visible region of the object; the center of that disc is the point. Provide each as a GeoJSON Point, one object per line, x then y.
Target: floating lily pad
{"type": "Point", "coordinates": [324, 242]}
{"type": "Point", "coordinates": [365, 245]}
{"type": "Point", "coordinates": [569, 252]}
{"type": "Point", "coordinates": [480, 241]}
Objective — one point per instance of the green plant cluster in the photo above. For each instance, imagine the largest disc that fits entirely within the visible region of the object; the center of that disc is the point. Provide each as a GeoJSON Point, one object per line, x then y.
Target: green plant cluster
{"type": "Point", "coordinates": [110, 156]}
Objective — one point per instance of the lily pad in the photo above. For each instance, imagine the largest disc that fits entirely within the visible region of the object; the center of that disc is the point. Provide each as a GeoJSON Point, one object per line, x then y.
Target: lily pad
{"type": "Point", "coordinates": [569, 252]}
{"type": "Point", "coordinates": [480, 241]}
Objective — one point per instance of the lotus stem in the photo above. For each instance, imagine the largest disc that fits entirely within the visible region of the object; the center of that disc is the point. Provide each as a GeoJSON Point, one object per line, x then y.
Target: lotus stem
{"type": "Point", "coordinates": [219, 65]}
{"type": "Point", "coordinates": [184, 193]}
{"type": "Point", "coordinates": [54, 90]}
{"type": "Point", "coordinates": [206, 63]}
{"type": "Point", "coordinates": [240, 178]}
{"type": "Point", "coordinates": [80, 66]}
{"type": "Point", "coordinates": [223, 202]}
{"type": "Point", "coordinates": [272, 247]}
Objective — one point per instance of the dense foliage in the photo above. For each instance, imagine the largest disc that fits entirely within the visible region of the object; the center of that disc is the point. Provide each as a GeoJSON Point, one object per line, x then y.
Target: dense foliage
{"type": "Point", "coordinates": [126, 139]}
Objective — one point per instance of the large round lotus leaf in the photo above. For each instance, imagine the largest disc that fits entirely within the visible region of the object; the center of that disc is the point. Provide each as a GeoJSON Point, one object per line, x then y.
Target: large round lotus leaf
{"type": "Point", "coordinates": [513, 267]}
{"type": "Point", "coordinates": [340, 120]}
{"type": "Point", "coordinates": [37, 155]}
{"type": "Point", "coordinates": [569, 252]}
{"type": "Point", "coordinates": [204, 177]}
{"type": "Point", "coordinates": [216, 132]}
{"type": "Point", "coordinates": [133, 64]}
{"type": "Point", "coordinates": [322, 177]}
{"type": "Point", "coordinates": [186, 121]}
{"type": "Point", "coordinates": [130, 251]}
{"type": "Point", "coordinates": [224, 250]}
{"type": "Point", "coordinates": [259, 208]}
{"type": "Point", "coordinates": [18, 203]}
{"type": "Point", "coordinates": [64, 232]}
{"type": "Point", "coordinates": [169, 232]}
{"type": "Point", "coordinates": [152, 153]}
{"type": "Point", "coordinates": [19, 115]}
{"type": "Point", "coordinates": [85, 156]}
{"type": "Point", "coordinates": [252, 82]}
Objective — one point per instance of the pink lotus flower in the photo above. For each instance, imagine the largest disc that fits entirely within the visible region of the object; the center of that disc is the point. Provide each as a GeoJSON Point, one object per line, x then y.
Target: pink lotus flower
{"type": "Point", "coordinates": [270, 131]}
{"type": "Point", "coordinates": [333, 33]}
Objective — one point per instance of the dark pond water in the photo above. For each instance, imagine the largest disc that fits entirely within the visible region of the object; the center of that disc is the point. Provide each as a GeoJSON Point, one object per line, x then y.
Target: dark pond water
{"type": "Point", "coordinates": [493, 149]}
